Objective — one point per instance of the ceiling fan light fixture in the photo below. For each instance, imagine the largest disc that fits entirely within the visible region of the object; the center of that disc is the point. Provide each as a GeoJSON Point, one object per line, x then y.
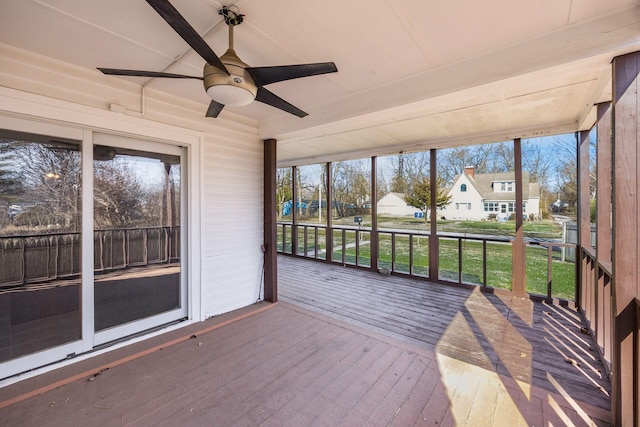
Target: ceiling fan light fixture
{"type": "Point", "coordinates": [234, 89]}
{"type": "Point", "coordinates": [230, 95]}
{"type": "Point", "coordinates": [227, 79]}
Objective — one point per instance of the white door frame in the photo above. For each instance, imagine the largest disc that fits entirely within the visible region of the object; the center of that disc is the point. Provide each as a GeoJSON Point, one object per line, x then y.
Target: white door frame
{"type": "Point", "coordinates": [32, 113]}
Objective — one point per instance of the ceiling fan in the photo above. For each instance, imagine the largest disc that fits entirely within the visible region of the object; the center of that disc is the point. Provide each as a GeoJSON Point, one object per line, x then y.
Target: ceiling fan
{"type": "Point", "coordinates": [228, 80]}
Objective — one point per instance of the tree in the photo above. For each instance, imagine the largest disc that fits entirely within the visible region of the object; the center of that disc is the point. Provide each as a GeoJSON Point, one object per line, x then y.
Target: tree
{"type": "Point", "coordinates": [566, 169]}
{"type": "Point", "coordinates": [350, 186]}
{"type": "Point", "coordinates": [399, 182]}
{"type": "Point", "coordinates": [419, 194]}
{"type": "Point", "coordinates": [283, 189]}
{"type": "Point", "coordinates": [539, 158]}
{"type": "Point", "coordinates": [10, 185]}
{"type": "Point", "coordinates": [50, 174]}
{"type": "Point", "coordinates": [452, 162]}
{"type": "Point", "coordinates": [118, 197]}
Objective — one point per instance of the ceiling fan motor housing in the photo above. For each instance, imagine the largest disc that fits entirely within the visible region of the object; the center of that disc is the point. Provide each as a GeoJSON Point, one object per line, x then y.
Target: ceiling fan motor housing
{"type": "Point", "coordinates": [226, 88]}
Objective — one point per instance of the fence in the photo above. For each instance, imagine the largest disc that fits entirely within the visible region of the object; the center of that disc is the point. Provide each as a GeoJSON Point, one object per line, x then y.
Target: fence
{"type": "Point", "coordinates": [570, 235]}
{"type": "Point", "coordinates": [39, 258]}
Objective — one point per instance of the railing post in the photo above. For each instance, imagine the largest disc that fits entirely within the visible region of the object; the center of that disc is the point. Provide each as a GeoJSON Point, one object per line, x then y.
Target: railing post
{"type": "Point", "coordinates": [459, 260]}
{"type": "Point", "coordinates": [344, 245]}
{"type": "Point", "coordinates": [306, 242]}
{"type": "Point", "coordinates": [549, 272]}
{"type": "Point", "coordinates": [484, 263]}
{"type": "Point", "coordinates": [393, 251]}
{"type": "Point", "coordinates": [357, 247]}
{"type": "Point", "coordinates": [411, 254]}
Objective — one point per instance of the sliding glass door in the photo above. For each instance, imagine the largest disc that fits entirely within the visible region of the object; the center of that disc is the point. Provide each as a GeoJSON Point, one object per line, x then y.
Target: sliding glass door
{"type": "Point", "coordinates": [137, 259]}
{"type": "Point", "coordinates": [72, 197]}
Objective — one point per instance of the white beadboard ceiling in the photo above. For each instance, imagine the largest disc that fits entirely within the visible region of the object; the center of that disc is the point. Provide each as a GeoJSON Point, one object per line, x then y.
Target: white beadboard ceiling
{"type": "Point", "coordinates": [412, 74]}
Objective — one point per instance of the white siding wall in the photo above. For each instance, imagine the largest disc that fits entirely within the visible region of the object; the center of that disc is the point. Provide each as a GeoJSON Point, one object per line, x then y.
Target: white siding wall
{"type": "Point", "coordinates": [230, 201]}
{"type": "Point", "coordinates": [232, 222]}
{"type": "Point", "coordinates": [533, 206]}
{"type": "Point", "coordinates": [391, 204]}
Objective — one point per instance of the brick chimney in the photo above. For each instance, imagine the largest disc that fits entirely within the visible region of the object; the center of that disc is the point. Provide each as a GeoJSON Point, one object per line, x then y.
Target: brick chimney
{"type": "Point", "coordinates": [469, 170]}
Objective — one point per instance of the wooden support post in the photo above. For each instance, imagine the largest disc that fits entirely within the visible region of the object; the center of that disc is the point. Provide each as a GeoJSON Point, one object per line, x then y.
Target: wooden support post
{"type": "Point", "coordinates": [434, 250]}
{"type": "Point", "coordinates": [518, 249]}
{"type": "Point", "coordinates": [294, 214]}
{"type": "Point", "coordinates": [269, 229]}
{"type": "Point", "coordinates": [374, 246]}
{"type": "Point", "coordinates": [626, 237]}
{"type": "Point", "coordinates": [328, 237]}
{"type": "Point", "coordinates": [603, 226]}
{"type": "Point", "coordinates": [583, 294]}
{"type": "Point", "coordinates": [603, 173]}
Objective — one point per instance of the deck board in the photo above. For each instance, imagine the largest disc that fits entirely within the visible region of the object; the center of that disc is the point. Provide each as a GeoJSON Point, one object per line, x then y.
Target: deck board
{"type": "Point", "coordinates": [293, 365]}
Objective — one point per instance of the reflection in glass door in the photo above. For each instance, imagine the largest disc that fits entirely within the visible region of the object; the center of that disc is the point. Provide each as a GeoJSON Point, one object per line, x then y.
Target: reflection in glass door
{"type": "Point", "coordinates": [40, 201]}
{"type": "Point", "coordinates": [137, 268]}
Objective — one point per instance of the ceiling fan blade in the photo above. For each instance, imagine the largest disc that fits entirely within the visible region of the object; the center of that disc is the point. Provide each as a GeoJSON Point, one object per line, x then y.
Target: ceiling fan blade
{"type": "Point", "coordinates": [266, 75]}
{"type": "Point", "coordinates": [186, 31]}
{"type": "Point", "coordinates": [214, 109]}
{"type": "Point", "coordinates": [274, 100]}
{"type": "Point", "coordinates": [140, 73]}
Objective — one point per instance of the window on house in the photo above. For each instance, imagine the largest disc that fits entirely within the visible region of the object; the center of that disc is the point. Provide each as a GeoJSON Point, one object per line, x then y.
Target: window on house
{"type": "Point", "coordinates": [490, 206]}
{"type": "Point", "coordinates": [503, 186]}
{"type": "Point", "coordinates": [469, 206]}
{"type": "Point", "coordinates": [509, 186]}
{"type": "Point", "coordinates": [512, 207]}
{"type": "Point", "coordinates": [463, 188]}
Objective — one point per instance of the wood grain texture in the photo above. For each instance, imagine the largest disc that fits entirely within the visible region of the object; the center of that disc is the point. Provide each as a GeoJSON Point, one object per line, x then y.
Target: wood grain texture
{"type": "Point", "coordinates": [626, 236]}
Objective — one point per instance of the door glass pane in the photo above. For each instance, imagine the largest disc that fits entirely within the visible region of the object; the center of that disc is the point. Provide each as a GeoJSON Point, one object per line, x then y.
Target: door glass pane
{"type": "Point", "coordinates": [136, 235]}
{"type": "Point", "coordinates": [40, 204]}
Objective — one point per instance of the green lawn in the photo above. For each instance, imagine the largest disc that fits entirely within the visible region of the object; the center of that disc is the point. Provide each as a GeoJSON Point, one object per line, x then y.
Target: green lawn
{"type": "Point", "coordinates": [545, 229]}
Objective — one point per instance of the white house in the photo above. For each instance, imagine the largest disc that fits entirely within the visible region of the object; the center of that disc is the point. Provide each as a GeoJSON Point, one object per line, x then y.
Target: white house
{"type": "Point", "coordinates": [396, 205]}
{"type": "Point", "coordinates": [478, 196]}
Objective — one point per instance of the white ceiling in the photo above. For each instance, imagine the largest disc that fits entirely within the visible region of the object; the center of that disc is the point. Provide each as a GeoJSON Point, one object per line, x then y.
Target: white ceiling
{"type": "Point", "coordinates": [412, 74]}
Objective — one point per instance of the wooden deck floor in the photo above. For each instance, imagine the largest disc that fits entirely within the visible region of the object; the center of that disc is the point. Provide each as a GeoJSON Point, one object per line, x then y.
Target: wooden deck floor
{"type": "Point", "coordinates": [314, 363]}
{"type": "Point", "coordinates": [538, 344]}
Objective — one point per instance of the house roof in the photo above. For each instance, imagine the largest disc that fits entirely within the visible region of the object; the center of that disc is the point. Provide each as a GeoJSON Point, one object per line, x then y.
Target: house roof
{"type": "Point", "coordinates": [483, 183]}
{"type": "Point", "coordinates": [401, 196]}
{"type": "Point", "coordinates": [412, 75]}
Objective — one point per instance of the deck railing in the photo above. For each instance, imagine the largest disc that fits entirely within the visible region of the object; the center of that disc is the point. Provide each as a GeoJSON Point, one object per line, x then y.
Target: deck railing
{"type": "Point", "coordinates": [37, 258]}
{"type": "Point", "coordinates": [464, 259]}
{"type": "Point", "coordinates": [597, 304]}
